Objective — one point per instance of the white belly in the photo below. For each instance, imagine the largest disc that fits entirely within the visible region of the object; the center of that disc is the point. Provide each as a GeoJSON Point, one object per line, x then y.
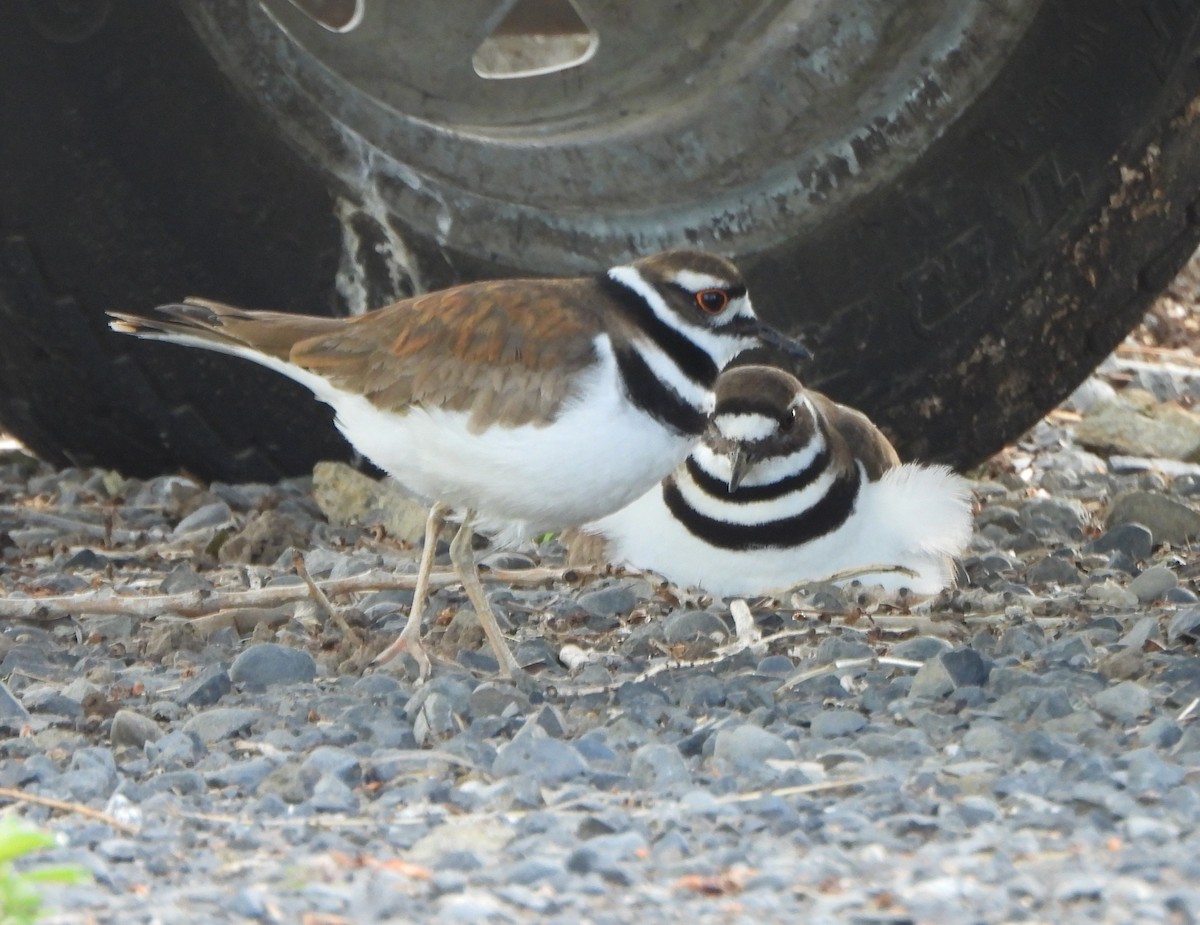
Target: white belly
{"type": "Point", "coordinates": [914, 517]}
{"type": "Point", "coordinates": [596, 457]}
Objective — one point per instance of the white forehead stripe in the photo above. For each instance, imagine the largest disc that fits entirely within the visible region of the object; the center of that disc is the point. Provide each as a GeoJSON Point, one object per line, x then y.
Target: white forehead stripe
{"type": "Point", "coordinates": [698, 282]}
{"type": "Point", "coordinates": [746, 427]}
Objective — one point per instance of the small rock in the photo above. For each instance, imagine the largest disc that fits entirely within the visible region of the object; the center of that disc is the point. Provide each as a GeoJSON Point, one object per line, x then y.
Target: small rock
{"type": "Point", "coordinates": [132, 729]}
{"type": "Point", "coordinates": [1091, 393]}
{"type": "Point", "coordinates": [829, 724]}
{"type": "Point", "coordinates": [222, 723]}
{"type": "Point", "coordinates": [347, 497]}
{"type": "Point", "coordinates": [269, 663]}
{"type": "Point", "coordinates": [1185, 624]}
{"type": "Point", "coordinates": [492, 698]}
{"type": "Point", "coordinates": [1057, 515]}
{"type": "Point", "coordinates": [610, 601]}
{"type": "Point", "coordinates": [1108, 592]}
{"type": "Point", "coordinates": [263, 539]}
{"type": "Point", "coordinates": [1053, 570]}
{"type": "Point", "coordinates": [183, 578]}
{"type": "Point", "coordinates": [176, 749]}
{"type": "Point", "coordinates": [206, 688]}
{"type": "Point", "coordinates": [336, 762]}
{"type": "Point", "coordinates": [435, 716]}
{"type": "Point", "coordinates": [950, 670]}
{"type": "Point", "coordinates": [1168, 520]}
{"type": "Point", "coordinates": [659, 767]}
{"type": "Point", "coordinates": [1133, 539]}
{"type": "Point", "coordinates": [331, 795]}
{"type": "Point", "coordinates": [10, 707]}
{"type": "Point", "coordinates": [208, 517]}
{"type": "Point", "coordinates": [1153, 583]}
{"type": "Point", "coordinates": [111, 626]}
{"type": "Point", "coordinates": [605, 853]}
{"type": "Point", "coordinates": [245, 775]}
{"type": "Point", "coordinates": [746, 750]}
{"type": "Point", "coordinates": [1160, 732]}
{"type": "Point", "coordinates": [1123, 702]}
{"type": "Point", "coordinates": [1137, 425]}
{"type": "Point", "coordinates": [533, 754]}
{"type": "Point", "coordinates": [685, 626]}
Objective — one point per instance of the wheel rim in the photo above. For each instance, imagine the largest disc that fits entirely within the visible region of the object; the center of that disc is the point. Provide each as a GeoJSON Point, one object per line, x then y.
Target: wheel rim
{"type": "Point", "coordinates": [736, 130]}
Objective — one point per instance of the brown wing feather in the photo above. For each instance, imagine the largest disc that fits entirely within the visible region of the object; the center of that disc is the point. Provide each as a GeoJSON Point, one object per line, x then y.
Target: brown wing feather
{"type": "Point", "coordinates": [507, 348]}
{"type": "Point", "coordinates": [863, 438]}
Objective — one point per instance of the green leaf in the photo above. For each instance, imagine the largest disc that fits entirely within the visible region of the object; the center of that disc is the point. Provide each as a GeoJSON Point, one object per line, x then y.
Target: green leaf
{"type": "Point", "coordinates": [17, 840]}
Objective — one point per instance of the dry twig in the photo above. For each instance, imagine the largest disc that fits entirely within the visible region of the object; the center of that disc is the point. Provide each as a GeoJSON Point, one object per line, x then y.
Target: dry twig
{"type": "Point", "coordinates": [200, 603]}
{"type": "Point", "coordinates": [19, 796]}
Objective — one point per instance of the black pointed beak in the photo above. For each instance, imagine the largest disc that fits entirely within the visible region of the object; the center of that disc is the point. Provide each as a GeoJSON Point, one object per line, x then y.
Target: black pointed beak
{"type": "Point", "coordinates": [772, 337]}
{"type": "Point", "coordinates": [739, 465]}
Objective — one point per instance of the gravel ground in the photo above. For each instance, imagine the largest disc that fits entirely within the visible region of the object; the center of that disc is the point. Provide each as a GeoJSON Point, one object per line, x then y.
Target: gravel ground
{"type": "Point", "coordinates": [1022, 748]}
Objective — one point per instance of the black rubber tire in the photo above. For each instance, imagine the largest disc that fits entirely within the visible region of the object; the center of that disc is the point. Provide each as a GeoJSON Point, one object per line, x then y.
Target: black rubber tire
{"type": "Point", "coordinates": [955, 304]}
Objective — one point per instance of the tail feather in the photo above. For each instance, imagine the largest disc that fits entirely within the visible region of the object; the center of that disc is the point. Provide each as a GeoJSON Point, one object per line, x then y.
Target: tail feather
{"type": "Point", "coordinates": [932, 496]}
{"type": "Point", "coordinates": [224, 328]}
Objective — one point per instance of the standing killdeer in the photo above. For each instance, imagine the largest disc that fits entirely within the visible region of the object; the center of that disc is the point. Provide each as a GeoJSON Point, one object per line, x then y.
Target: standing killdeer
{"type": "Point", "coordinates": [786, 487]}
{"type": "Point", "coordinates": [526, 404]}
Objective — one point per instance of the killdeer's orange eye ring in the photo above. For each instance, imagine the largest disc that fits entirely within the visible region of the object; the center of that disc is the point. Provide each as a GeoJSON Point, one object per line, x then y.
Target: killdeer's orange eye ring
{"type": "Point", "coordinates": [712, 301]}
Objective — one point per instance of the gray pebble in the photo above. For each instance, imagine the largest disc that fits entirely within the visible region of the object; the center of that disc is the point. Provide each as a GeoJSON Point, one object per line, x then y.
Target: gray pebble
{"type": "Point", "coordinates": [1053, 570]}
{"type": "Point", "coordinates": [659, 767]}
{"type": "Point", "coordinates": [1169, 520]}
{"type": "Point", "coordinates": [130, 728]}
{"type": "Point", "coordinates": [183, 578]}
{"type": "Point", "coordinates": [206, 688]}
{"type": "Point", "coordinates": [836, 648]}
{"type": "Point", "coordinates": [91, 775]}
{"type": "Point", "coordinates": [830, 724]}
{"type": "Point", "coordinates": [1146, 771]}
{"type": "Point", "coordinates": [331, 795]}
{"type": "Point", "coordinates": [335, 762]}
{"type": "Point", "coordinates": [1160, 732]}
{"type": "Point", "coordinates": [746, 750]}
{"type": "Point", "coordinates": [1153, 583]}
{"type": "Point", "coordinates": [610, 601]}
{"type": "Point", "coordinates": [222, 723]}
{"type": "Point", "coordinates": [207, 517]}
{"type": "Point", "coordinates": [245, 775]}
{"type": "Point", "coordinates": [492, 698]}
{"type": "Point", "coordinates": [1133, 539]}
{"type": "Point", "coordinates": [1185, 624]}
{"type": "Point", "coordinates": [685, 626]}
{"type": "Point", "coordinates": [920, 648]}
{"type": "Point", "coordinates": [435, 717]}
{"type": "Point", "coordinates": [1062, 516]}
{"type": "Point", "coordinates": [954, 669]}
{"type": "Point", "coordinates": [51, 700]}
{"type": "Point", "coordinates": [10, 706]}
{"type": "Point", "coordinates": [176, 749]}
{"type": "Point", "coordinates": [533, 754]}
{"type": "Point", "coordinates": [269, 663]}
{"type": "Point", "coordinates": [1124, 702]}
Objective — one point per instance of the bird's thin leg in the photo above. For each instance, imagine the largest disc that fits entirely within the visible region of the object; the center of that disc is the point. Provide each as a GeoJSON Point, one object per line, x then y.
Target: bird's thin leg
{"type": "Point", "coordinates": [463, 557]}
{"type": "Point", "coordinates": [409, 639]}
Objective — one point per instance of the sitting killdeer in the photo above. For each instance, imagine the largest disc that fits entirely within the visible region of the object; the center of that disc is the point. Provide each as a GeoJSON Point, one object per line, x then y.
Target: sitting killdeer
{"type": "Point", "coordinates": [530, 404]}
{"type": "Point", "coordinates": [786, 487]}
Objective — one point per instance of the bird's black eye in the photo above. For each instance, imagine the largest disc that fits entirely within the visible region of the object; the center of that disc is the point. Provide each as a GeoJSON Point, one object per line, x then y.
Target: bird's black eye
{"type": "Point", "coordinates": [789, 420]}
{"type": "Point", "coordinates": [712, 301]}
